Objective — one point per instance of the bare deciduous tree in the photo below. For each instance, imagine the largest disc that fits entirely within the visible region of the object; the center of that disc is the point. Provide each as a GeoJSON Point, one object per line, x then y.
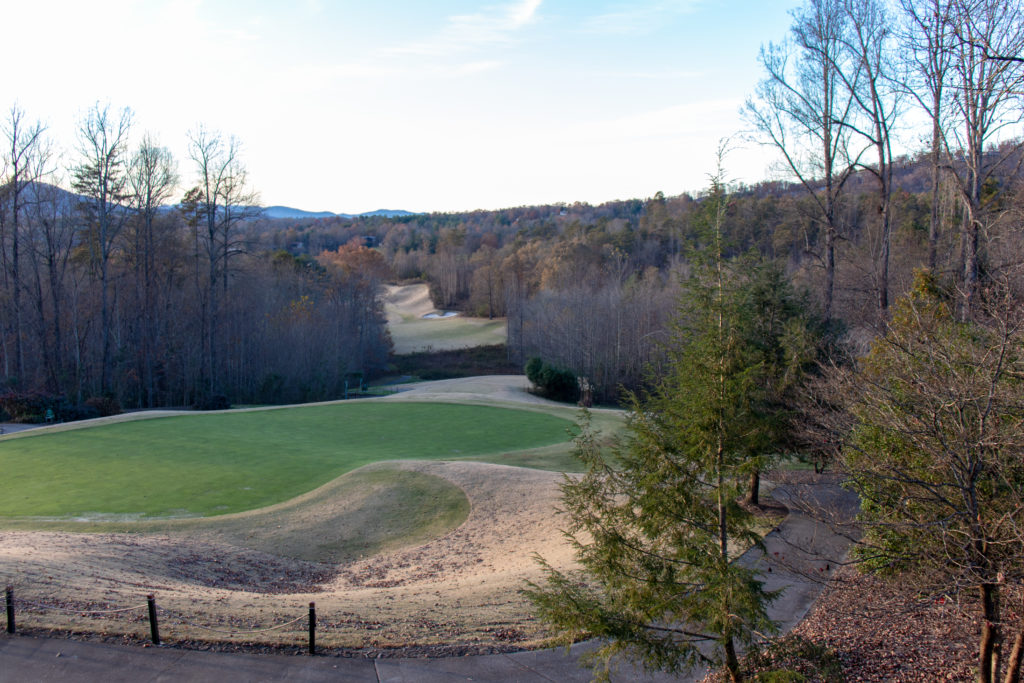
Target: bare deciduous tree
{"type": "Point", "coordinates": [927, 38]}
{"type": "Point", "coordinates": [986, 100]}
{"type": "Point", "coordinates": [26, 160]}
{"type": "Point", "coordinates": [223, 201]}
{"type": "Point", "coordinates": [101, 179]}
{"type": "Point", "coordinates": [799, 109]}
{"type": "Point", "coordinates": [152, 179]}
{"type": "Point", "coordinates": [872, 83]}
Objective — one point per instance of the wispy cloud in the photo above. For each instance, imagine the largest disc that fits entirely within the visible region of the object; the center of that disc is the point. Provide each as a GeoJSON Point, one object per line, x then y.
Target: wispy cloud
{"type": "Point", "coordinates": [653, 74]}
{"type": "Point", "coordinates": [494, 25]}
{"type": "Point", "coordinates": [308, 77]}
{"type": "Point", "coordinates": [637, 18]}
{"type": "Point", "coordinates": [709, 119]}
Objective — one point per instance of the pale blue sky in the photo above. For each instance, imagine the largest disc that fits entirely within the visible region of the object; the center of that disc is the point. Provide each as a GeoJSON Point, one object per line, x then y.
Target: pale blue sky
{"type": "Point", "coordinates": [440, 105]}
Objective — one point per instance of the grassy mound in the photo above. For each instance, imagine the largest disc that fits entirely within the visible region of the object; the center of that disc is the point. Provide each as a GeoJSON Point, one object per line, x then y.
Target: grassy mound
{"type": "Point", "coordinates": [371, 510]}
{"type": "Point", "coordinates": [216, 464]}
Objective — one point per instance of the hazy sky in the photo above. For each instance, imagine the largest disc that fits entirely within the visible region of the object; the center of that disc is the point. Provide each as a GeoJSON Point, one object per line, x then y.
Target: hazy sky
{"type": "Point", "coordinates": [424, 105]}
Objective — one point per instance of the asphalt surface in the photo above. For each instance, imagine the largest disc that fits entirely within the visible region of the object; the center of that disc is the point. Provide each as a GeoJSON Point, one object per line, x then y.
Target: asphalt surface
{"type": "Point", "coordinates": [799, 556]}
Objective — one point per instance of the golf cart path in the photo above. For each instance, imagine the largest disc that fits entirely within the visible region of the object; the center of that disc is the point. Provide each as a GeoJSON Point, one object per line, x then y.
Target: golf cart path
{"type": "Point", "coordinates": [799, 556]}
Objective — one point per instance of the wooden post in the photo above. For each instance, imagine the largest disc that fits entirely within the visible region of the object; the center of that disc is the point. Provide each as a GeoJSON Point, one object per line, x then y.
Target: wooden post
{"type": "Point", "coordinates": [312, 628]}
{"type": "Point", "coordinates": [154, 630]}
{"type": "Point", "coordinates": [9, 593]}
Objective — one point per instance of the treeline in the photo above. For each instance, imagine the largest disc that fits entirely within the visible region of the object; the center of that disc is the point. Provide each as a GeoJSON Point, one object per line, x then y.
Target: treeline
{"type": "Point", "coordinates": [107, 292]}
{"type": "Point", "coordinates": [111, 293]}
{"type": "Point", "coordinates": [590, 287]}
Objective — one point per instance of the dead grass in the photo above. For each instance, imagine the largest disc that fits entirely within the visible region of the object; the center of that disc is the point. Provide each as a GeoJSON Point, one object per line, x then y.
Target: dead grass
{"type": "Point", "coordinates": [459, 588]}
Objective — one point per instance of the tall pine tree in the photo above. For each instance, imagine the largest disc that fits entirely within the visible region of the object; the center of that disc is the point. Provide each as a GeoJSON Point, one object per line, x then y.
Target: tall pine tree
{"type": "Point", "coordinates": [657, 526]}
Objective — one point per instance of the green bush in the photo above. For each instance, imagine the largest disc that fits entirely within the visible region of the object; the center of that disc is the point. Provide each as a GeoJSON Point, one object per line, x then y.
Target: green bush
{"type": "Point", "coordinates": [533, 370]}
{"type": "Point", "coordinates": [558, 384]}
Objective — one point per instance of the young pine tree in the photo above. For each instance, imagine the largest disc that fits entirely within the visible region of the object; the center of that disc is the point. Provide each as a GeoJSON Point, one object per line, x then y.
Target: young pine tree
{"type": "Point", "coordinates": [657, 526]}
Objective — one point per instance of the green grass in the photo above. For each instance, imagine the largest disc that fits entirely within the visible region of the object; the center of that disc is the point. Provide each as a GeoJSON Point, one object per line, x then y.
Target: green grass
{"type": "Point", "coordinates": [374, 509]}
{"type": "Point", "coordinates": [417, 334]}
{"type": "Point", "coordinates": [371, 510]}
{"type": "Point", "coordinates": [215, 464]}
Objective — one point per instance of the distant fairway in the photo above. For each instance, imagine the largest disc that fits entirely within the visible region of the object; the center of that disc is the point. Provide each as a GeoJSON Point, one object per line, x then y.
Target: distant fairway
{"type": "Point", "coordinates": [406, 306]}
{"type": "Point", "coordinates": [213, 464]}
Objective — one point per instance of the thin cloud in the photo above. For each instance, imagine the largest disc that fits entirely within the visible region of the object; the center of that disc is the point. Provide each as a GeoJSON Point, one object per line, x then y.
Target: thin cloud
{"type": "Point", "coordinates": [710, 118]}
{"type": "Point", "coordinates": [654, 74]}
{"type": "Point", "coordinates": [628, 19]}
{"type": "Point", "coordinates": [495, 25]}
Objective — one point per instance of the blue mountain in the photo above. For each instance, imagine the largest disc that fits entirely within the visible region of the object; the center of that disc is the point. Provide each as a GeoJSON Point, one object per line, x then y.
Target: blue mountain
{"type": "Point", "coordinates": [289, 212]}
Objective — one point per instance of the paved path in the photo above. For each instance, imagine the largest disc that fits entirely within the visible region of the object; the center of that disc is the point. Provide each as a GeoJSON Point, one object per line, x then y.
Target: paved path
{"type": "Point", "coordinates": [799, 557]}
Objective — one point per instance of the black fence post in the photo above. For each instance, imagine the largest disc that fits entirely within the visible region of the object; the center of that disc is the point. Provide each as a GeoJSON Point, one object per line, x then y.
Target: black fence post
{"type": "Point", "coordinates": [9, 599]}
{"type": "Point", "coordinates": [154, 629]}
{"type": "Point", "coordinates": [312, 628]}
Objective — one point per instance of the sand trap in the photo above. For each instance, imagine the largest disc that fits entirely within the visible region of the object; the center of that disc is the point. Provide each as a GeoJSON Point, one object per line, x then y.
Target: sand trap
{"type": "Point", "coordinates": [407, 300]}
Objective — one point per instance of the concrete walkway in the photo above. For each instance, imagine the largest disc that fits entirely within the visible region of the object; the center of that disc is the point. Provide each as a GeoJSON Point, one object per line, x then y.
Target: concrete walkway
{"type": "Point", "coordinates": [799, 556]}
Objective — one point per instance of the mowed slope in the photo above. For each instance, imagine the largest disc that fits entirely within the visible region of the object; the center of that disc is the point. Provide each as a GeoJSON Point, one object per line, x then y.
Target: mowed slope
{"type": "Point", "coordinates": [459, 590]}
{"type": "Point", "coordinates": [215, 464]}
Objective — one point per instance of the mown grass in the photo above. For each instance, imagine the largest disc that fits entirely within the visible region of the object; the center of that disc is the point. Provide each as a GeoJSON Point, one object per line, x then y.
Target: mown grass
{"type": "Point", "coordinates": [416, 334]}
{"type": "Point", "coordinates": [374, 509]}
{"type": "Point", "coordinates": [215, 464]}
{"type": "Point", "coordinates": [371, 510]}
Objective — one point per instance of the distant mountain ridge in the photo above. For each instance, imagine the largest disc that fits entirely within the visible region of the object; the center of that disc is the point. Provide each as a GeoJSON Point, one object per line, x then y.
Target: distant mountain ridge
{"type": "Point", "coordinates": [289, 212]}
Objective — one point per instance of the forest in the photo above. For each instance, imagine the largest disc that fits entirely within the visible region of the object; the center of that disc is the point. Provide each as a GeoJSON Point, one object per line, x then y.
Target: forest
{"type": "Point", "coordinates": [129, 278]}
{"type": "Point", "coordinates": [113, 297]}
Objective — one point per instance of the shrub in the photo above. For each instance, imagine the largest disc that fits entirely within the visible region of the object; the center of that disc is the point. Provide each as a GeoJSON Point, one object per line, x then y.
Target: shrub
{"type": "Point", "coordinates": [69, 412]}
{"type": "Point", "coordinates": [28, 406]}
{"type": "Point", "coordinates": [533, 370]}
{"type": "Point", "coordinates": [104, 406]}
{"type": "Point", "coordinates": [552, 382]}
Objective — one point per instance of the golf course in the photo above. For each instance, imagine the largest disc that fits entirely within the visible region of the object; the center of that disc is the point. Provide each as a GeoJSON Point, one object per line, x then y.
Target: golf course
{"type": "Point", "coordinates": [203, 465]}
{"type": "Point", "coordinates": [412, 520]}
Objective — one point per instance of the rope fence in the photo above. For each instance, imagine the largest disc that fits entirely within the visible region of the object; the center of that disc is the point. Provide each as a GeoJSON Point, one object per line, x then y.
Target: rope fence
{"type": "Point", "coordinates": [154, 628]}
{"type": "Point", "coordinates": [41, 606]}
{"type": "Point", "coordinates": [235, 632]}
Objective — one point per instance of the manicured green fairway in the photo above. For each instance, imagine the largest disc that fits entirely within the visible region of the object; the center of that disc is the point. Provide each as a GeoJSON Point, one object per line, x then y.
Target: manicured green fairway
{"type": "Point", "coordinates": [211, 464]}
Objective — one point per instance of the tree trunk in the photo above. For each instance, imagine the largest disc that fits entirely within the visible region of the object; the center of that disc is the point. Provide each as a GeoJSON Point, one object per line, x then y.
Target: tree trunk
{"type": "Point", "coordinates": [732, 662]}
{"type": "Point", "coordinates": [830, 271]}
{"type": "Point", "coordinates": [754, 490]}
{"type": "Point", "coordinates": [987, 647]}
{"type": "Point", "coordinates": [1014, 660]}
{"type": "Point", "coordinates": [933, 225]}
